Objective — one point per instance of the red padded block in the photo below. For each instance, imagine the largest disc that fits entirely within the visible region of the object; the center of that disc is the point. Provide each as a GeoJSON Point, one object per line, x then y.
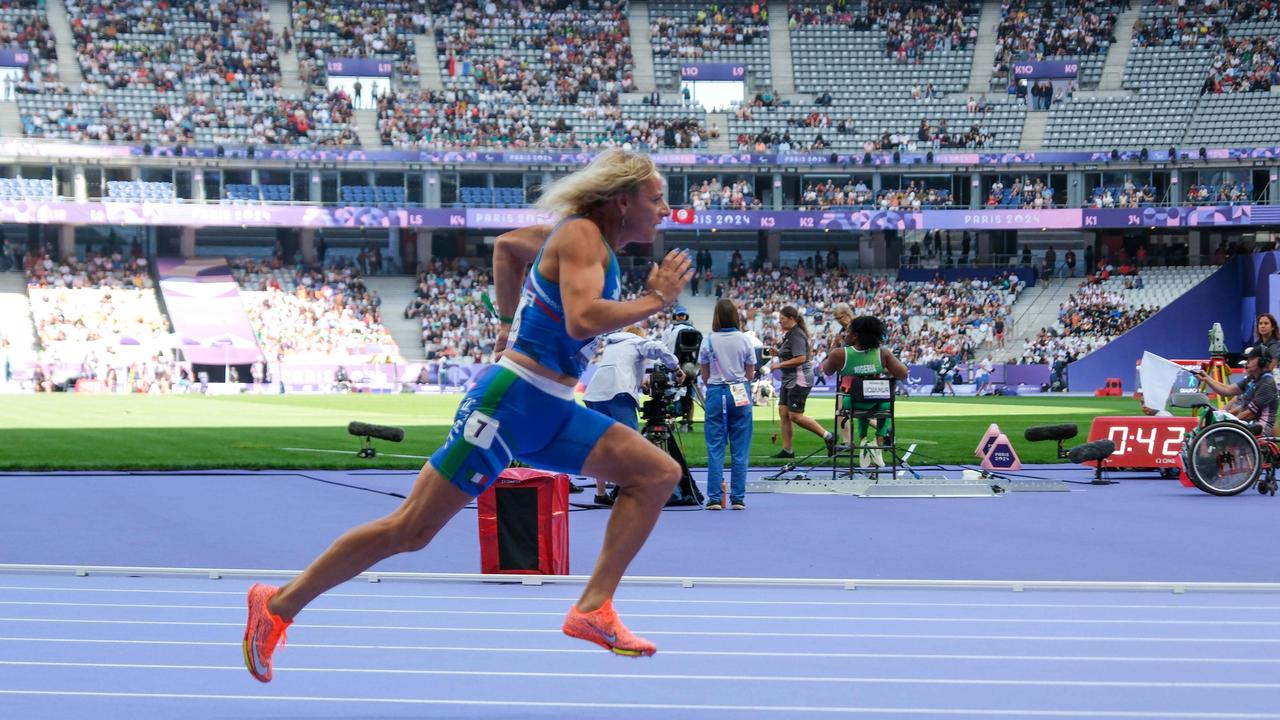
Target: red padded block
{"type": "Point", "coordinates": [524, 523]}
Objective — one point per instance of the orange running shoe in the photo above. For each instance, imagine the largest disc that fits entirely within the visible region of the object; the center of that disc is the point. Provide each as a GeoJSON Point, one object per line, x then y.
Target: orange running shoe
{"type": "Point", "coordinates": [602, 627]}
{"type": "Point", "coordinates": [262, 633]}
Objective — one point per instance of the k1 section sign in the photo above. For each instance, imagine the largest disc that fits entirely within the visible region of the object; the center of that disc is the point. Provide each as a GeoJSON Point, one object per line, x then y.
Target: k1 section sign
{"type": "Point", "coordinates": [713, 72]}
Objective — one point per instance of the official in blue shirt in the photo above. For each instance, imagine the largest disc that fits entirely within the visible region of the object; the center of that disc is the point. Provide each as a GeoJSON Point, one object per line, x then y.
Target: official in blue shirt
{"type": "Point", "coordinates": [728, 364]}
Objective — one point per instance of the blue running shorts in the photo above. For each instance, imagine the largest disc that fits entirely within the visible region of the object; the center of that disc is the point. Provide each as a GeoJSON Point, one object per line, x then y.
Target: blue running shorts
{"type": "Point", "coordinates": [509, 413]}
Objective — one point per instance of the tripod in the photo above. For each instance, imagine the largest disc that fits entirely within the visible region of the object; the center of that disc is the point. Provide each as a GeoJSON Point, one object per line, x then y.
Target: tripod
{"type": "Point", "coordinates": [872, 400]}
{"type": "Point", "coordinates": [657, 429]}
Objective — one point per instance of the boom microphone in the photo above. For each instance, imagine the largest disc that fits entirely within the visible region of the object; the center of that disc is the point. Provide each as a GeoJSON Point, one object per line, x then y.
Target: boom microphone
{"type": "Point", "coordinates": [382, 432]}
{"type": "Point", "coordinates": [1066, 431]}
{"type": "Point", "coordinates": [1091, 451]}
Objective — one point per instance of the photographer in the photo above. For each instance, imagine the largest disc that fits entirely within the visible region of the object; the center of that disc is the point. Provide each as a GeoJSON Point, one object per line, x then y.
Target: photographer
{"type": "Point", "coordinates": [865, 358]}
{"type": "Point", "coordinates": [683, 340]}
{"type": "Point", "coordinates": [792, 358]}
{"type": "Point", "coordinates": [727, 361]}
{"type": "Point", "coordinates": [614, 389]}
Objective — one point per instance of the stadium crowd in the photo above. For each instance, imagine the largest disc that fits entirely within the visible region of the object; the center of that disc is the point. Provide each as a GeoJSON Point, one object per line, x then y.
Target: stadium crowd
{"type": "Point", "coordinates": [456, 324]}
{"type": "Point", "coordinates": [715, 195]}
{"type": "Point", "coordinates": [312, 312]}
{"type": "Point", "coordinates": [494, 118]}
{"type": "Point", "coordinates": [23, 24]}
{"type": "Point", "coordinates": [926, 322]}
{"type": "Point", "coordinates": [1052, 29]}
{"type": "Point", "coordinates": [176, 44]}
{"type": "Point", "coordinates": [705, 29]}
{"type": "Point", "coordinates": [911, 29]}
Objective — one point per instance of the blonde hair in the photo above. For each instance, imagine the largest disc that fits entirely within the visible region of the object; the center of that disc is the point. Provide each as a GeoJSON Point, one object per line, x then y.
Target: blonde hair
{"type": "Point", "coordinates": [612, 173]}
{"type": "Point", "coordinates": [634, 330]}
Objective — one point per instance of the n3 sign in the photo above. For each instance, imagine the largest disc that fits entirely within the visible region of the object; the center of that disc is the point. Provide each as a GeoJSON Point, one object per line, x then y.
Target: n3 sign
{"type": "Point", "coordinates": [1142, 441]}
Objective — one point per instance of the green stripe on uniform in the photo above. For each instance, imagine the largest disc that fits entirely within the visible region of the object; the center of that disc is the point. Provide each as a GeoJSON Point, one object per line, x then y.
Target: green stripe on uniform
{"type": "Point", "coordinates": [458, 454]}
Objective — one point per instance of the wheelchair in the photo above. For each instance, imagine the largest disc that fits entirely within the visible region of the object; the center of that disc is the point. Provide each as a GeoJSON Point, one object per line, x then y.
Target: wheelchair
{"type": "Point", "coordinates": [1226, 456]}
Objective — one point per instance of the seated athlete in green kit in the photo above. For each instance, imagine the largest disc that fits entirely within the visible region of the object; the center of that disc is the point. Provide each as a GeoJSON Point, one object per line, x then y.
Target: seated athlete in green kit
{"type": "Point", "coordinates": [863, 357]}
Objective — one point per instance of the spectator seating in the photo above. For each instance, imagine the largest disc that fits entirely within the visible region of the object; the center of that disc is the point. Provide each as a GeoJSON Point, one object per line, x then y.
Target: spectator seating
{"type": "Point", "coordinates": [693, 32]}
{"type": "Point", "coordinates": [235, 194]}
{"type": "Point", "coordinates": [1218, 120]}
{"type": "Point", "coordinates": [375, 194]}
{"type": "Point", "coordinates": [382, 29]}
{"type": "Point", "coordinates": [890, 124]}
{"type": "Point", "coordinates": [176, 45]}
{"type": "Point", "coordinates": [455, 323]}
{"type": "Point", "coordinates": [313, 314]}
{"type": "Point", "coordinates": [23, 24]}
{"type": "Point", "coordinates": [138, 191]}
{"type": "Point", "coordinates": [870, 65]}
{"type": "Point", "coordinates": [491, 197]}
{"type": "Point", "coordinates": [26, 189]}
{"type": "Point", "coordinates": [138, 115]}
{"type": "Point", "coordinates": [925, 321]}
{"type": "Point", "coordinates": [1058, 30]}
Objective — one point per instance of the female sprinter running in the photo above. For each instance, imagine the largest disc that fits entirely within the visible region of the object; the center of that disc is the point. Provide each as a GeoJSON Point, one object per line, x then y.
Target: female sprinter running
{"type": "Point", "coordinates": [523, 406]}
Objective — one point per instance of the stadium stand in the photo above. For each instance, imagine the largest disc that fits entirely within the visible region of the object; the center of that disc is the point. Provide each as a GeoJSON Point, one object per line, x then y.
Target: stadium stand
{"type": "Point", "coordinates": [23, 24]}
{"type": "Point", "coordinates": [925, 321]}
{"type": "Point", "coordinates": [455, 323]}
{"type": "Point", "coordinates": [1056, 29]}
{"type": "Point", "coordinates": [313, 314]}
{"type": "Point", "coordinates": [239, 193]}
{"type": "Point", "coordinates": [380, 29]}
{"type": "Point", "coordinates": [684, 32]}
{"type": "Point", "coordinates": [26, 189]}
{"type": "Point", "coordinates": [909, 56]}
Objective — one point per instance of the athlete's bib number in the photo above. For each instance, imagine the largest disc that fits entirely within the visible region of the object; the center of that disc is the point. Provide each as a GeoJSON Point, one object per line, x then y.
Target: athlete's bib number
{"type": "Point", "coordinates": [739, 393]}
{"type": "Point", "coordinates": [480, 429]}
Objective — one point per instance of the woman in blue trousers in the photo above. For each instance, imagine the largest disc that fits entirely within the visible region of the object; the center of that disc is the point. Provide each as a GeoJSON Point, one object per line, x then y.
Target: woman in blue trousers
{"type": "Point", "coordinates": [728, 365]}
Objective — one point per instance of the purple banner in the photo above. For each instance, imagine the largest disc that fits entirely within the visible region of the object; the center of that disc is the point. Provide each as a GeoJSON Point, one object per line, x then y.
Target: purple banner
{"type": "Point", "coordinates": [200, 215]}
{"type": "Point", "coordinates": [1173, 216]}
{"type": "Point", "coordinates": [310, 216]}
{"type": "Point", "coordinates": [29, 147]}
{"type": "Point", "coordinates": [14, 57]}
{"type": "Point", "coordinates": [997, 218]}
{"type": "Point", "coordinates": [363, 67]}
{"type": "Point", "coordinates": [1045, 69]}
{"type": "Point", "coordinates": [720, 72]}
{"type": "Point", "coordinates": [203, 301]}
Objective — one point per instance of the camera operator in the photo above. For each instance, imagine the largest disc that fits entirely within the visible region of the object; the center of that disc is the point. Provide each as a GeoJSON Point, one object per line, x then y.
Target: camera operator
{"type": "Point", "coordinates": [862, 356]}
{"type": "Point", "coordinates": [792, 358]}
{"type": "Point", "coordinates": [683, 340]}
{"type": "Point", "coordinates": [614, 389]}
{"type": "Point", "coordinates": [727, 363]}
{"type": "Point", "coordinates": [1256, 398]}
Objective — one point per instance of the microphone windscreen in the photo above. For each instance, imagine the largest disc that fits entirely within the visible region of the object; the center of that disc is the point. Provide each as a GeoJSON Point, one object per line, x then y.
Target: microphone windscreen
{"type": "Point", "coordinates": [1065, 431]}
{"type": "Point", "coordinates": [382, 432]}
{"type": "Point", "coordinates": [1091, 451]}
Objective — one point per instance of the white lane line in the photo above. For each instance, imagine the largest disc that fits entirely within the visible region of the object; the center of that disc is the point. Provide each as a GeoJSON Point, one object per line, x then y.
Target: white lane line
{"type": "Point", "coordinates": [863, 636]}
{"type": "Point", "coordinates": [847, 655]}
{"type": "Point", "coordinates": [469, 630]}
{"type": "Point", "coordinates": [682, 616]}
{"type": "Point", "coordinates": [790, 710]}
{"type": "Point", "coordinates": [855, 680]}
{"type": "Point", "coordinates": [677, 601]}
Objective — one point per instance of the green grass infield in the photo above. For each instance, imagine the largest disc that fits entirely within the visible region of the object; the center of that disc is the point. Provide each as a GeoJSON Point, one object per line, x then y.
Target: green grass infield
{"type": "Point", "coordinates": [182, 432]}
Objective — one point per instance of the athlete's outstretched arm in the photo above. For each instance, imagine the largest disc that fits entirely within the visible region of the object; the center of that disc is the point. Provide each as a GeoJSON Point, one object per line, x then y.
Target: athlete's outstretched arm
{"type": "Point", "coordinates": [512, 253]}
{"type": "Point", "coordinates": [582, 280]}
